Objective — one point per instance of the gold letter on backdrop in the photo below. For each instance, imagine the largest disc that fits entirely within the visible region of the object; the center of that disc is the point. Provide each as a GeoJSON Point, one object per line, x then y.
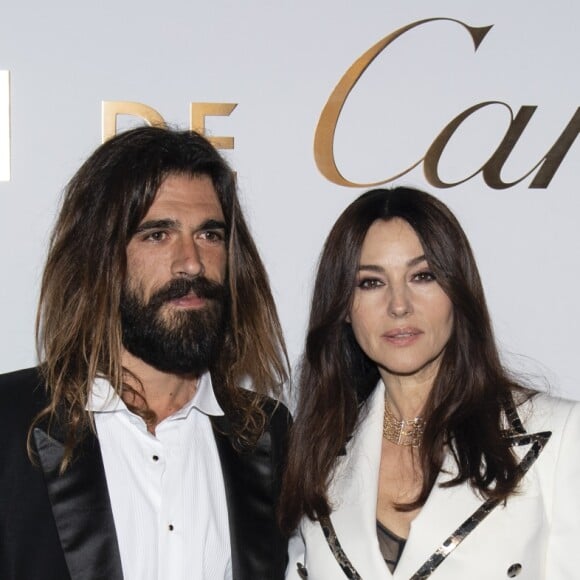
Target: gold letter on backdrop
{"type": "Point", "coordinates": [4, 125]}
{"type": "Point", "coordinates": [493, 166]}
{"type": "Point", "coordinates": [556, 154]}
{"type": "Point", "coordinates": [199, 111]}
{"type": "Point", "coordinates": [326, 128]}
{"type": "Point", "coordinates": [113, 108]}
{"type": "Point", "coordinates": [197, 114]}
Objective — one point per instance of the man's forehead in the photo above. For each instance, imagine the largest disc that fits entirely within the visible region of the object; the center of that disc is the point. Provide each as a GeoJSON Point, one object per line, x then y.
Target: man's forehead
{"type": "Point", "coordinates": [179, 192]}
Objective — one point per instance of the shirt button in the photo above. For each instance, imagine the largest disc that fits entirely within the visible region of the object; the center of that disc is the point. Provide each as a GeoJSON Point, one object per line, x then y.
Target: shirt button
{"type": "Point", "coordinates": [170, 527]}
{"type": "Point", "coordinates": [514, 570]}
{"type": "Point", "coordinates": [155, 458]}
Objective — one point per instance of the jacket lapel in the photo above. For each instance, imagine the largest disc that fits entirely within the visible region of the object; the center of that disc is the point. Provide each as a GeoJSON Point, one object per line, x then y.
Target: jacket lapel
{"type": "Point", "coordinates": [354, 491]}
{"type": "Point", "coordinates": [81, 508]}
{"type": "Point", "coordinates": [252, 487]}
{"type": "Point", "coordinates": [445, 510]}
{"type": "Point", "coordinates": [452, 514]}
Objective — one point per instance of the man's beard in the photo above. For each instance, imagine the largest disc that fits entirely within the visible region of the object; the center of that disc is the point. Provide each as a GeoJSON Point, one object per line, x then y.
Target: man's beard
{"type": "Point", "coordinates": [183, 341]}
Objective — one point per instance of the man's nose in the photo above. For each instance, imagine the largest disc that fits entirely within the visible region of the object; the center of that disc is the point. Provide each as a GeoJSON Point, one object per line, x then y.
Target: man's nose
{"type": "Point", "coordinates": [187, 260]}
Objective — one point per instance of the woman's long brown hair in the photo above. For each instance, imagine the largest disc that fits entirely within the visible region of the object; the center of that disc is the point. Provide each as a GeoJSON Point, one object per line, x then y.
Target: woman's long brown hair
{"type": "Point", "coordinates": [78, 322]}
{"type": "Point", "coordinates": [469, 391]}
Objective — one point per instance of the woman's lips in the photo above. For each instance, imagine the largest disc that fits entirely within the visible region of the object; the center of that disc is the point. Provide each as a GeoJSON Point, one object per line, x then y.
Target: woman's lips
{"type": "Point", "coordinates": [402, 336]}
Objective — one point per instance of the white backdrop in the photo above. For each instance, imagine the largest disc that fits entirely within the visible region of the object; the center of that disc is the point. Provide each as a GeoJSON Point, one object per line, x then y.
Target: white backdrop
{"type": "Point", "coordinates": [280, 61]}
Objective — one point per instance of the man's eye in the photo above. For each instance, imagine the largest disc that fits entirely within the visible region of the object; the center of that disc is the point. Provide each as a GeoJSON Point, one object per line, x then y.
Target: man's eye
{"type": "Point", "coordinates": [369, 283]}
{"type": "Point", "coordinates": [155, 236]}
{"type": "Point", "coordinates": [212, 236]}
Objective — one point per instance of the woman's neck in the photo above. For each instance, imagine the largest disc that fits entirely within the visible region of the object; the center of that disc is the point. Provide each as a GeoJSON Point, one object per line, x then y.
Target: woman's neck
{"type": "Point", "coordinates": [407, 394]}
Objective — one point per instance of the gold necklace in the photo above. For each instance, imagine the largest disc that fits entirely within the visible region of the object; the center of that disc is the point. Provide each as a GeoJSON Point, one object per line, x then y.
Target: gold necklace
{"type": "Point", "coordinates": [405, 432]}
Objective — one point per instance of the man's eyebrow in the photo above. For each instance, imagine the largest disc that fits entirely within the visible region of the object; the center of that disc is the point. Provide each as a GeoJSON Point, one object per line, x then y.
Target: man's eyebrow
{"type": "Point", "coordinates": [212, 224]}
{"type": "Point", "coordinates": [163, 224]}
{"type": "Point", "coordinates": [374, 268]}
{"type": "Point", "coordinates": [170, 224]}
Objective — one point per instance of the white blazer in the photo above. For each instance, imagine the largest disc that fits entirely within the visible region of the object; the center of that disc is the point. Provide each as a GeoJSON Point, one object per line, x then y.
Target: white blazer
{"type": "Point", "coordinates": [535, 536]}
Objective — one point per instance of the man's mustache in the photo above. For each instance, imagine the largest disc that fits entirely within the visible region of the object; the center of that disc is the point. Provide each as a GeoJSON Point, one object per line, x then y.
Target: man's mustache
{"type": "Point", "coordinates": [180, 287]}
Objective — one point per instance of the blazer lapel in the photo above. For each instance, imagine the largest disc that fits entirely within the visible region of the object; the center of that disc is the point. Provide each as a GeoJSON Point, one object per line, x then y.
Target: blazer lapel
{"type": "Point", "coordinates": [452, 514]}
{"type": "Point", "coordinates": [81, 508]}
{"type": "Point", "coordinates": [251, 484]}
{"type": "Point", "coordinates": [353, 492]}
{"type": "Point", "coordinates": [445, 510]}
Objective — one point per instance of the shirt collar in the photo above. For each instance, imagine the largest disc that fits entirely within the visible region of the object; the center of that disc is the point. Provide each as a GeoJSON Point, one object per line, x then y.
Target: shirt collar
{"type": "Point", "coordinates": [104, 399]}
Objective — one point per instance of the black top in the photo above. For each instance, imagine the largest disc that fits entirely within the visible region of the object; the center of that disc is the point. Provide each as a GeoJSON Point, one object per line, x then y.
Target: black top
{"type": "Point", "coordinates": [391, 546]}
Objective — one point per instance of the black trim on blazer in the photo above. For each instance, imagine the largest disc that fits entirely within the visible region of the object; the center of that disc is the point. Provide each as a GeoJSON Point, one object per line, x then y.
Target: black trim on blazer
{"type": "Point", "coordinates": [252, 482]}
{"type": "Point", "coordinates": [82, 508]}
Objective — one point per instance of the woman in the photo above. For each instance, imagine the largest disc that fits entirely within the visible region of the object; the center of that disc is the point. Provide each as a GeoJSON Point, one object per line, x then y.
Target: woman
{"type": "Point", "coordinates": [414, 454]}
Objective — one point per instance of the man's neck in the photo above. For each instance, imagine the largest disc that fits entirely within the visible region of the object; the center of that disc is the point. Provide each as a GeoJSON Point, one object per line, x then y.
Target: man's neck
{"type": "Point", "coordinates": [163, 393]}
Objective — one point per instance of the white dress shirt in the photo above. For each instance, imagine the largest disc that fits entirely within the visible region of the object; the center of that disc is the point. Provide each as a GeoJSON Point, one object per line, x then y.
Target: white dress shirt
{"type": "Point", "coordinates": [167, 490]}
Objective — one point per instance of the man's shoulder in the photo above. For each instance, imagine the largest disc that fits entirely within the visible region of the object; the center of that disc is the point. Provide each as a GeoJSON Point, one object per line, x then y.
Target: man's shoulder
{"type": "Point", "coordinates": [30, 374]}
{"type": "Point", "coordinates": [277, 414]}
{"type": "Point", "coordinates": [22, 388]}
{"type": "Point", "coordinates": [267, 428]}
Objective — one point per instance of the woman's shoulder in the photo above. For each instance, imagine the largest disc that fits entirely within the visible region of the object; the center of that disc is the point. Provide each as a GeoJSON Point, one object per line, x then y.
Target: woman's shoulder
{"type": "Point", "coordinates": [546, 412]}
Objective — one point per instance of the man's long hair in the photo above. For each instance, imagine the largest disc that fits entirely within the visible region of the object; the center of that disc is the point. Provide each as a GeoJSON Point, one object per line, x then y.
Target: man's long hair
{"type": "Point", "coordinates": [78, 328]}
{"type": "Point", "coordinates": [463, 411]}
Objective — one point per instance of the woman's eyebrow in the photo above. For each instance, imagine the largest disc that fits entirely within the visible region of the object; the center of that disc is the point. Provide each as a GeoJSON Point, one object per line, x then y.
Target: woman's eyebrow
{"type": "Point", "coordinates": [374, 268]}
{"type": "Point", "coordinates": [371, 268]}
{"type": "Point", "coordinates": [417, 260]}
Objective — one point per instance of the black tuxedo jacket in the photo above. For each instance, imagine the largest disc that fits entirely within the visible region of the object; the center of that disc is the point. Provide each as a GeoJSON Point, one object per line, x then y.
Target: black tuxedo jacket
{"type": "Point", "coordinates": [60, 527]}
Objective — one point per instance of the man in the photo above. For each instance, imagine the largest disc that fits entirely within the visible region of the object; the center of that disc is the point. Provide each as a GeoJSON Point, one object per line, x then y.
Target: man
{"type": "Point", "coordinates": [131, 451]}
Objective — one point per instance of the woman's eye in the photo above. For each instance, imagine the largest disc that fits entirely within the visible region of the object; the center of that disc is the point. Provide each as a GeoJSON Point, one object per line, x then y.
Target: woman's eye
{"type": "Point", "coordinates": [369, 283]}
{"type": "Point", "coordinates": [425, 276]}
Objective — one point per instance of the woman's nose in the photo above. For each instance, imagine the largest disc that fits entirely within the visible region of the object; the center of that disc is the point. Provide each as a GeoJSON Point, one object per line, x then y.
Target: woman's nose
{"type": "Point", "coordinates": [400, 303]}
